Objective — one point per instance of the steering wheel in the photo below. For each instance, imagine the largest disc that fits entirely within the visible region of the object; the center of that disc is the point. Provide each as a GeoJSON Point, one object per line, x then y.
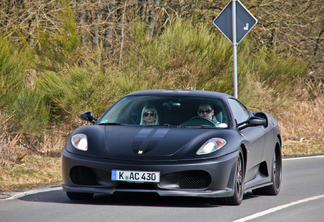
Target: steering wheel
{"type": "Point", "coordinates": [205, 120]}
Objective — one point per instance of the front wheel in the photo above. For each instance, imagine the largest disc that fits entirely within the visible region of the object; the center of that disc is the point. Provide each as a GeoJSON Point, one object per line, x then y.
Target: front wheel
{"type": "Point", "coordinates": [237, 197]}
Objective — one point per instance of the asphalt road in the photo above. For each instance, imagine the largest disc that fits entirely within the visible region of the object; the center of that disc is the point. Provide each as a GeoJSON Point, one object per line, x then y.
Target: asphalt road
{"type": "Point", "coordinates": [301, 199]}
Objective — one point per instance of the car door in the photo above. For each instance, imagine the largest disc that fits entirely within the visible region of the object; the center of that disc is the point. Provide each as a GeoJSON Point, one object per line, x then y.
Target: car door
{"type": "Point", "coordinates": [254, 137]}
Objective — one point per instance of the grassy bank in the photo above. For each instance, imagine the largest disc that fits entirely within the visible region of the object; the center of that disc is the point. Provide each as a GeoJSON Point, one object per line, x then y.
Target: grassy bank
{"type": "Point", "coordinates": [47, 93]}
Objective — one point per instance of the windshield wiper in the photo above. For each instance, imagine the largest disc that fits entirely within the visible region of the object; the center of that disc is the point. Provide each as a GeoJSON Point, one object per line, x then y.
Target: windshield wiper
{"type": "Point", "coordinates": [112, 124]}
{"type": "Point", "coordinates": [198, 126]}
{"type": "Point", "coordinates": [169, 125]}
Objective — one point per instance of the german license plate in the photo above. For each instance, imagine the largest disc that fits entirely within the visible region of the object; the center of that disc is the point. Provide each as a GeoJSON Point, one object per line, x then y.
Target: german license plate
{"type": "Point", "coordinates": [135, 176]}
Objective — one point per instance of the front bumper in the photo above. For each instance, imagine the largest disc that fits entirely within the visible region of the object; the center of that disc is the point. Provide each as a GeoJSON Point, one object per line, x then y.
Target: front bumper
{"type": "Point", "coordinates": [199, 178]}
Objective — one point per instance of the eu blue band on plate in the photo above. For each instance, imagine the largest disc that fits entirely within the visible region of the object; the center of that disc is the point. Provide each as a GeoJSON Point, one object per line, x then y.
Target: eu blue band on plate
{"type": "Point", "coordinates": [113, 174]}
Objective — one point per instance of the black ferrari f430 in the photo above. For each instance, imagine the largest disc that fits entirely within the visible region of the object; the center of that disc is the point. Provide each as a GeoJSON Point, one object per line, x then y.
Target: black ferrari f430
{"type": "Point", "coordinates": [175, 143]}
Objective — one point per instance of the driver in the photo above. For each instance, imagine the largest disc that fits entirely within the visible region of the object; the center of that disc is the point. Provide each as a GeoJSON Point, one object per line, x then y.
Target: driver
{"type": "Point", "coordinates": [206, 110]}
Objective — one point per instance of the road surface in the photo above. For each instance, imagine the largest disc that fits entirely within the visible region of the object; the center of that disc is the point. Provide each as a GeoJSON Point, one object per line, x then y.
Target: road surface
{"type": "Point", "coordinates": [301, 199]}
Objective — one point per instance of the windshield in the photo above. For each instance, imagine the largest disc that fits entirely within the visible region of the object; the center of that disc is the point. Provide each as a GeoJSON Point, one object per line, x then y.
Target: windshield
{"type": "Point", "coordinates": [197, 112]}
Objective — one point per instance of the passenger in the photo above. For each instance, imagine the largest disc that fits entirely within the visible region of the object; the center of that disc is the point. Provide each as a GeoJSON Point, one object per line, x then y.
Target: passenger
{"type": "Point", "coordinates": [149, 116]}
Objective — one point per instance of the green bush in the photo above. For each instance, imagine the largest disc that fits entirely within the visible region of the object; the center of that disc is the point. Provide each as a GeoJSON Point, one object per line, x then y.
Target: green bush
{"type": "Point", "coordinates": [31, 111]}
{"type": "Point", "coordinates": [81, 89]}
{"type": "Point", "coordinates": [279, 71]}
{"type": "Point", "coordinates": [13, 65]}
{"type": "Point", "coordinates": [265, 79]}
{"type": "Point", "coordinates": [59, 47]}
{"type": "Point", "coordinates": [183, 57]}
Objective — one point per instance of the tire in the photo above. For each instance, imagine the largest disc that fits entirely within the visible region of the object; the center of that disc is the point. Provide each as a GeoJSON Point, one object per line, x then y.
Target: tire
{"type": "Point", "coordinates": [79, 196]}
{"type": "Point", "coordinates": [237, 197]}
{"type": "Point", "coordinates": [276, 174]}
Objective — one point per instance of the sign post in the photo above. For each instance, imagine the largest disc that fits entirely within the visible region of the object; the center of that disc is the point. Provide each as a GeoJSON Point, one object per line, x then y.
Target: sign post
{"type": "Point", "coordinates": [234, 48]}
{"type": "Point", "coordinates": [235, 22]}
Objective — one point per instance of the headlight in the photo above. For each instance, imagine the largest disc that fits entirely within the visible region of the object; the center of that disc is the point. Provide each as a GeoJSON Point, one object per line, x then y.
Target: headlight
{"type": "Point", "coordinates": [211, 146]}
{"type": "Point", "coordinates": [80, 142]}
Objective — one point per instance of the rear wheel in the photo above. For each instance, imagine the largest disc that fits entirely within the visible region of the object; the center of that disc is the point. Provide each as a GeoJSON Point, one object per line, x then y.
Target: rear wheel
{"type": "Point", "coordinates": [274, 188]}
{"type": "Point", "coordinates": [237, 198]}
{"type": "Point", "coordinates": [79, 196]}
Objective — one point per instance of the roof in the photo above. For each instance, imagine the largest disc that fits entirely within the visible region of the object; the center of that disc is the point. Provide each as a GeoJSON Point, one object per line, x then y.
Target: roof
{"type": "Point", "coordinates": [179, 92]}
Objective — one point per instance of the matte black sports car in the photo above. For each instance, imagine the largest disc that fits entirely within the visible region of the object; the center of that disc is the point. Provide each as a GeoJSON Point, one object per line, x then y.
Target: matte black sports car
{"type": "Point", "coordinates": [175, 143]}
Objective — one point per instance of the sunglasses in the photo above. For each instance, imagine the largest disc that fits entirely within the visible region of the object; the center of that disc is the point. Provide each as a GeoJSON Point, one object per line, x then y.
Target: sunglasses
{"type": "Point", "coordinates": [202, 111]}
{"type": "Point", "coordinates": [146, 114]}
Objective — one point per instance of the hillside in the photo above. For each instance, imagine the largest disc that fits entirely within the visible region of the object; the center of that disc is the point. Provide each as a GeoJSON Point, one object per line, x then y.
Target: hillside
{"type": "Point", "coordinates": [59, 58]}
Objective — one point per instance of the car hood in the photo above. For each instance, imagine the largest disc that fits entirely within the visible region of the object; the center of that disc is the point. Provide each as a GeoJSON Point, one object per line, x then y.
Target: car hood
{"type": "Point", "coordinates": [151, 143]}
{"type": "Point", "coordinates": [134, 143]}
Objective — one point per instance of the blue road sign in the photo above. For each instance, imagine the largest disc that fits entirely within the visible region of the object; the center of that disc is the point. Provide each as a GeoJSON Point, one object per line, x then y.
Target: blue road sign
{"type": "Point", "coordinates": [245, 21]}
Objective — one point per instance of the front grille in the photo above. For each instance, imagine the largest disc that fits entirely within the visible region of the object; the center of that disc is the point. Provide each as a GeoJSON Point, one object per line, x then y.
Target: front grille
{"type": "Point", "coordinates": [83, 176]}
{"type": "Point", "coordinates": [194, 180]}
{"type": "Point", "coordinates": [181, 180]}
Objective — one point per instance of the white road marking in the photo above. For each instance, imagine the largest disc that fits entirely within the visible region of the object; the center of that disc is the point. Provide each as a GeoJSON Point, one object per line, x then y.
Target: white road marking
{"type": "Point", "coordinates": [23, 194]}
{"type": "Point", "coordinates": [305, 157]}
{"type": "Point", "coordinates": [271, 210]}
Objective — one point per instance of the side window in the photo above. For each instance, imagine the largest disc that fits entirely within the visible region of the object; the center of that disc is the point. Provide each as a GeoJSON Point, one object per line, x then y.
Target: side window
{"type": "Point", "coordinates": [241, 113]}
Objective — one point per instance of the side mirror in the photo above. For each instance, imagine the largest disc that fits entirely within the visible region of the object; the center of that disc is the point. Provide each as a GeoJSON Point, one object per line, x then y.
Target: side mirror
{"type": "Point", "coordinates": [253, 121]}
{"type": "Point", "coordinates": [87, 116]}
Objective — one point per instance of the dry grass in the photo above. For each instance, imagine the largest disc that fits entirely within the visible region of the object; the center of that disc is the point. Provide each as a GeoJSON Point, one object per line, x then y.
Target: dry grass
{"type": "Point", "coordinates": [21, 169]}
{"type": "Point", "coordinates": [22, 165]}
{"type": "Point", "coordinates": [31, 171]}
{"type": "Point", "coordinates": [301, 125]}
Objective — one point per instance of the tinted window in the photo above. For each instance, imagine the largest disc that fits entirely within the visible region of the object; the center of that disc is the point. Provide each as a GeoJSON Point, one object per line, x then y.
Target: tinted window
{"type": "Point", "coordinates": [165, 110]}
{"type": "Point", "coordinates": [241, 113]}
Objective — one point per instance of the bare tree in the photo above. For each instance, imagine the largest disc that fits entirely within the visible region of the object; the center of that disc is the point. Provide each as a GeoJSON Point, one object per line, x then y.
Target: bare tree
{"type": "Point", "coordinates": [292, 27]}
